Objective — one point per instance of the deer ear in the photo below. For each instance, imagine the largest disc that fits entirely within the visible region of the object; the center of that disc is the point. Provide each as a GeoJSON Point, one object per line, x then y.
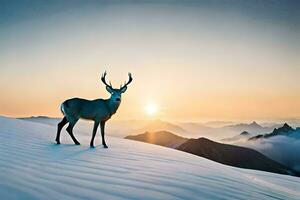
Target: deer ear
{"type": "Point", "coordinates": [109, 89]}
{"type": "Point", "coordinates": [123, 89]}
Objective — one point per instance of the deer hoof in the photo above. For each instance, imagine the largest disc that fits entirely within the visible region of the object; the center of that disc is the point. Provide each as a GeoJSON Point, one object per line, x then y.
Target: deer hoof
{"type": "Point", "coordinates": [105, 146]}
{"type": "Point", "coordinates": [77, 143]}
{"type": "Point", "coordinates": [92, 146]}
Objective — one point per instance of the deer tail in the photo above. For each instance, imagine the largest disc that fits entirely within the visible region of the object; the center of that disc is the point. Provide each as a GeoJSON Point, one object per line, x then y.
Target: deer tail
{"type": "Point", "coordinates": [62, 108]}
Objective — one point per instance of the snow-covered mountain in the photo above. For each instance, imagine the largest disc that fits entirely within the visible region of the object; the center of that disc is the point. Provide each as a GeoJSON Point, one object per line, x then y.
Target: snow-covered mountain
{"type": "Point", "coordinates": [34, 167]}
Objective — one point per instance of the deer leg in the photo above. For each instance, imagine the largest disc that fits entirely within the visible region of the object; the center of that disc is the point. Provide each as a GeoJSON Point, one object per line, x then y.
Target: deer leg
{"type": "Point", "coordinates": [102, 125]}
{"type": "Point", "coordinates": [60, 125]}
{"type": "Point", "coordinates": [96, 124]}
{"type": "Point", "coordinates": [70, 131]}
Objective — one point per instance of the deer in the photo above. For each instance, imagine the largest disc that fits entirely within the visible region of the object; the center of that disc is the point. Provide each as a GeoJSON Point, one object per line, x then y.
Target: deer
{"type": "Point", "coordinates": [98, 110]}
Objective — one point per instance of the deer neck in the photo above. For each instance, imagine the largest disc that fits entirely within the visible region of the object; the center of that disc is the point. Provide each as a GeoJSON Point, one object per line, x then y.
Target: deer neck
{"type": "Point", "coordinates": [112, 106]}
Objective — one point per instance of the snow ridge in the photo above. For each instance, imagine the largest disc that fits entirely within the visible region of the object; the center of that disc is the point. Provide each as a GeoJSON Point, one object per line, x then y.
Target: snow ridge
{"type": "Point", "coordinates": [32, 166]}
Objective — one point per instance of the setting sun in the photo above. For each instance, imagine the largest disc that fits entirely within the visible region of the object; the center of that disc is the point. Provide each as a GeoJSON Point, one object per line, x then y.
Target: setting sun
{"type": "Point", "coordinates": [151, 109]}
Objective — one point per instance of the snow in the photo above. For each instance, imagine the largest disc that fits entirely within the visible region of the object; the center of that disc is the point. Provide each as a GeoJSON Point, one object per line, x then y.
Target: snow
{"type": "Point", "coordinates": [32, 167]}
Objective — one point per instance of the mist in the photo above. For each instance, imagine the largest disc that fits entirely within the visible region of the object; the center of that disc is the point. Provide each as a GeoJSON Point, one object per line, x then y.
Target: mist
{"type": "Point", "coordinates": [283, 149]}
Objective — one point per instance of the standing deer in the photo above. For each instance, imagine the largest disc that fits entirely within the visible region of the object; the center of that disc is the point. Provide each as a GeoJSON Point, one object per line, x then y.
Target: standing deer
{"type": "Point", "coordinates": [98, 110]}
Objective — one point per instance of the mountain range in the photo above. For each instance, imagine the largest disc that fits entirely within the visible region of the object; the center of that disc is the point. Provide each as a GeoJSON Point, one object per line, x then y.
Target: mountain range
{"type": "Point", "coordinates": [282, 144]}
{"type": "Point", "coordinates": [223, 153]}
{"type": "Point", "coordinates": [159, 125]}
{"type": "Point", "coordinates": [122, 128]}
{"type": "Point", "coordinates": [285, 130]}
{"type": "Point", "coordinates": [252, 128]}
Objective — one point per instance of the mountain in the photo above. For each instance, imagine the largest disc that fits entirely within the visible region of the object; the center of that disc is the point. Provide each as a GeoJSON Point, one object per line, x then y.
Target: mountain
{"type": "Point", "coordinates": [281, 145]}
{"type": "Point", "coordinates": [253, 125]}
{"type": "Point", "coordinates": [218, 124]}
{"type": "Point", "coordinates": [252, 128]}
{"type": "Point", "coordinates": [222, 153]}
{"type": "Point", "coordinates": [271, 124]}
{"type": "Point", "coordinates": [193, 126]}
{"type": "Point", "coordinates": [240, 137]}
{"type": "Point", "coordinates": [228, 131]}
{"type": "Point", "coordinates": [159, 125]}
{"type": "Point", "coordinates": [115, 128]}
{"type": "Point", "coordinates": [234, 156]}
{"type": "Point", "coordinates": [163, 138]}
{"type": "Point", "coordinates": [245, 133]}
{"type": "Point", "coordinates": [36, 168]}
{"type": "Point", "coordinates": [284, 130]}
{"type": "Point", "coordinates": [85, 126]}
{"type": "Point", "coordinates": [195, 130]}
{"type": "Point", "coordinates": [42, 120]}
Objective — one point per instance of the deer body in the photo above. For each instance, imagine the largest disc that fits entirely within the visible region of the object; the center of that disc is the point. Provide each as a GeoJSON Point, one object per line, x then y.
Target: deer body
{"type": "Point", "coordinates": [98, 110]}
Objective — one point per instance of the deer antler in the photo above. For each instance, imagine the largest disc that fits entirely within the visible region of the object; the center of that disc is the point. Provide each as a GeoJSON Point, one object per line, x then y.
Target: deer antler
{"type": "Point", "coordinates": [104, 81]}
{"type": "Point", "coordinates": [129, 81]}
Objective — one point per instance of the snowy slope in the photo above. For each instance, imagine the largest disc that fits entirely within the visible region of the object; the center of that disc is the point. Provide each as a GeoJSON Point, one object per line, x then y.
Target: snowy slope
{"type": "Point", "coordinates": [33, 167]}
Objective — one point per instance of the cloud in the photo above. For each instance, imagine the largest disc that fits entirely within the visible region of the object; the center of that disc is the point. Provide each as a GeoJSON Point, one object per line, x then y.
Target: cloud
{"type": "Point", "coordinates": [283, 149]}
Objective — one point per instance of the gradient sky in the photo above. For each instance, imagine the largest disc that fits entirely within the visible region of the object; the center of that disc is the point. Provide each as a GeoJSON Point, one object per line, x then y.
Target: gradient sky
{"type": "Point", "coordinates": [196, 60]}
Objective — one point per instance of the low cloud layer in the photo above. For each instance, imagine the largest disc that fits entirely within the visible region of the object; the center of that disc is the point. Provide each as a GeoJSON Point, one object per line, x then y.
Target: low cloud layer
{"type": "Point", "coordinates": [283, 149]}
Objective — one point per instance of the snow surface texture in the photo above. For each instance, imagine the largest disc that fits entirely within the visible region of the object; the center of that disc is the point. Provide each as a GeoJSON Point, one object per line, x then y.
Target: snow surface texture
{"type": "Point", "coordinates": [32, 167]}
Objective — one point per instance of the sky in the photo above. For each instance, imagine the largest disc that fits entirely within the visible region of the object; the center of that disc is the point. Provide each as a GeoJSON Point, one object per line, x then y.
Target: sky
{"type": "Point", "coordinates": [191, 60]}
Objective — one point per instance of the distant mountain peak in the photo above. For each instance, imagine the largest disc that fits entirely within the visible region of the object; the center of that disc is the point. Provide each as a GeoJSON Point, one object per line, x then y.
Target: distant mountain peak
{"type": "Point", "coordinates": [255, 124]}
{"type": "Point", "coordinates": [252, 127]}
{"type": "Point", "coordinates": [245, 133]}
{"type": "Point", "coordinates": [159, 125]}
{"type": "Point", "coordinates": [284, 130]}
{"type": "Point", "coordinates": [285, 125]}
{"type": "Point", "coordinates": [242, 136]}
{"type": "Point", "coordinates": [36, 117]}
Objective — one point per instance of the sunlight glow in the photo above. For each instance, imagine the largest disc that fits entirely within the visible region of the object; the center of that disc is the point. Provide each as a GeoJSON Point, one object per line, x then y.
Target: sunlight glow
{"type": "Point", "coordinates": [151, 109]}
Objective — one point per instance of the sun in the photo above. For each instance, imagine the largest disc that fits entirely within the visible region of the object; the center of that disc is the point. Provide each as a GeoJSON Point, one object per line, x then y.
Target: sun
{"type": "Point", "coordinates": [151, 109]}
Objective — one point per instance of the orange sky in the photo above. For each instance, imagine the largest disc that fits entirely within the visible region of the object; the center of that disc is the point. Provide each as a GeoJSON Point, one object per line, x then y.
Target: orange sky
{"type": "Point", "coordinates": [193, 62]}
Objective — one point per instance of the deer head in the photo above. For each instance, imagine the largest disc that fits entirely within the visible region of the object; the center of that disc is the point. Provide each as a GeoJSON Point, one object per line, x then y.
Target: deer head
{"type": "Point", "coordinates": [116, 93]}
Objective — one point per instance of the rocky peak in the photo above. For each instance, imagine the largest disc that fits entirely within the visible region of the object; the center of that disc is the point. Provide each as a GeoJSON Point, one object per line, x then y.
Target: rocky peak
{"type": "Point", "coordinates": [245, 133]}
{"type": "Point", "coordinates": [284, 129]}
{"type": "Point", "coordinates": [255, 124]}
